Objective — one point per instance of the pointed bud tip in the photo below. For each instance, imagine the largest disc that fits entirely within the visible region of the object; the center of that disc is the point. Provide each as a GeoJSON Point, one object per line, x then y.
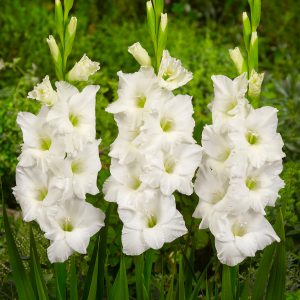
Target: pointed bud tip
{"type": "Point", "coordinates": [163, 21]}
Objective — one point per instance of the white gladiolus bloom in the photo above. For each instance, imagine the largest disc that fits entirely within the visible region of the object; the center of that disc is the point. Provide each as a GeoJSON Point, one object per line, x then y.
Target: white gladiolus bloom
{"type": "Point", "coordinates": [83, 69]}
{"type": "Point", "coordinates": [140, 54]}
{"type": "Point", "coordinates": [37, 193]}
{"type": "Point", "coordinates": [171, 74]}
{"type": "Point", "coordinates": [171, 171]}
{"type": "Point", "coordinates": [71, 228]}
{"type": "Point", "coordinates": [44, 92]}
{"type": "Point", "coordinates": [150, 224]}
{"type": "Point", "coordinates": [229, 99]}
{"type": "Point", "coordinates": [40, 145]}
{"type": "Point", "coordinates": [170, 125]}
{"type": "Point", "coordinates": [238, 237]}
{"type": "Point", "coordinates": [256, 136]}
{"type": "Point", "coordinates": [80, 170]}
{"type": "Point", "coordinates": [73, 116]}
{"type": "Point", "coordinates": [219, 154]}
{"type": "Point", "coordinates": [261, 185]}
{"type": "Point", "coordinates": [139, 93]}
{"type": "Point", "coordinates": [124, 186]}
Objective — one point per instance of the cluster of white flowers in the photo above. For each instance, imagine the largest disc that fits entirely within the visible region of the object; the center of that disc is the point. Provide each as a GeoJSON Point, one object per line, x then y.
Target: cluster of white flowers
{"type": "Point", "coordinates": [59, 165]}
{"type": "Point", "coordinates": [154, 154]}
{"type": "Point", "coordinates": [239, 175]}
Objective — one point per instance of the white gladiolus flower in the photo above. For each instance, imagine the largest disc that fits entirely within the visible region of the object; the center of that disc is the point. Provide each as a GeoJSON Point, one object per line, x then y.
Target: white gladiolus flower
{"type": "Point", "coordinates": [238, 237]}
{"type": "Point", "coordinates": [44, 92]}
{"type": "Point", "coordinates": [139, 93]}
{"type": "Point", "coordinates": [260, 185]}
{"type": "Point", "coordinates": [83, 69]}
{"type": "Point", "coordinates": [37, 193]}
{"type": "Point", "coordinates": [71, 228]}
{"type": "Point", "coordinates": [73, 116]}
{"type": "Point", "coordinates": [124, 147]}
{"type": "Point", "coordinates": [173, 170]}
{"type": "Point", "coordinates": [124, 186]}
{"type": "Point", "coordinates": [140, 54]}
{"type": "Point", "coordinates": [80, 170]}
{"type": "Point", "coordinates": [229, 99]}
{"type": "Point", "coordinates": [256, 136]}
{"type": "Point", "coordinates": [150, 224]}
{"type": "Point", "coordinates": [40, 145]}
{"type": "Point", "coordinates": [219, 154]}
{"type": "Point", "coordinates": [171, 74]}
{"type": "Point", "coordinates": [170, 125]}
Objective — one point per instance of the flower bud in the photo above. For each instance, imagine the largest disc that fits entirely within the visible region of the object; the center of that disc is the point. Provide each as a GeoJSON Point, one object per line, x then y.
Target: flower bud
{"type": "Point", "coordinates": [44, 92]}
{"type": "Point", "coordinates": [238, 59]}
{"type": "Point", "coordinates": [83, 69]}
{"type": "Point", "coordinates": [140, 54]}
{"type": "Point", "coordinates": [246, 30]}
{"type": "Point", "coordinates": [72, 26]}
{"type": "Point", "coordinates": [53, 48]}
{"type": "Point", "coordinates": [255, 83]}
{"type": "Point", "coordinates": [163, 21]}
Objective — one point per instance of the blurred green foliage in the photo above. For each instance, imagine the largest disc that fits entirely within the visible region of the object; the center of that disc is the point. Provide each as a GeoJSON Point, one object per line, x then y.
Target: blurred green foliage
{"type": "Point", "coordinates": [200, 34]}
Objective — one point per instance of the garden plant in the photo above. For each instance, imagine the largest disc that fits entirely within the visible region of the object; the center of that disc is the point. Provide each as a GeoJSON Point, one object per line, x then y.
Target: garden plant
{"type": "Point", "coordinates": [136, 183]}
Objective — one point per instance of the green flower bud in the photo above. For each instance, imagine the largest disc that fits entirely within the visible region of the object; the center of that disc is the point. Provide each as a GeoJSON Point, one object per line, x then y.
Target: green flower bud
{"type": "Point", "coordinates": [238, 60]}
{"type": "Point", "coordinates": [255, 83]}
{"type": "Point", "coordinates": [140, 54]}
{"type": "Point", "coordinates": [246, 30]}
{"type": "Point", "coordinates": [53, 48]}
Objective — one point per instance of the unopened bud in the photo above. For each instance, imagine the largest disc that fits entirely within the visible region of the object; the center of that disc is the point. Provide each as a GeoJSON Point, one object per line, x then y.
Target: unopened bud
{"type": "Point", "coordinates": [72, 26]}
{"type": "Point", "coordinates": [237, 58]}
{"type": "Point", "coordinates": [140, 54]}
{"type": "Point", "coordinates": [163, 21]}
{"type": "Point", "coordinates": [255, 83]}
{"type": "Point", "coordinates": [53, 48]}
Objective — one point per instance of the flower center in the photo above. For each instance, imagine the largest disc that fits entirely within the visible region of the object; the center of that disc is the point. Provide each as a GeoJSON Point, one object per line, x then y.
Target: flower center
{"type": "Point", "coordinates": [140, 101]}
{"type": "Point", "coordinates": [41, 194]}
{"type": "Point", "coordinates": [225, 154]}
{"type": "Point", "coordinates": [166, 124]}
{"type": "Point", "coordinates": [167, 74]}
{"type": "Point", "coordinates": [67, 225]}
{"type": "Point", "coordinates": [152, 221]}
{"type": "Point", "coordinates": [231, 106]}
{"type": "Point", "coordinates": [217, 197]}
{"type": "Point", "coordinates": [45, 144]}
{"type": "Point", "coordinates": [251, 183]}
{"type": "Point", "coordinates": [251, 137]}
{"type": "Point", "coordinates": [76, 167]}
{"type": "Point", "coordinates": [169, 165]}
{"type": "Point", "coordinates": [239, 228]}
{"type": "Point", "coordinates": [136, 183]}
{"type": "Point", "coordinates": [74, 119]}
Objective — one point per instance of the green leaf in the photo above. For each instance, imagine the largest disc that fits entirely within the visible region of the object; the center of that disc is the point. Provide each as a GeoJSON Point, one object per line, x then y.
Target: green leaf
{"type": "Point", "coordinates": [226, 293]}
{"type": "Point", "coordinates": [276, 285]}
{"type": "Point", "coordinates": [141, 291]}
{"type": "Point", "coordinates": [148, 268]}
{"type": "Point", "coordinates": [199, 284]}
{"type": "Point", "coordinates": [102, 254]}
{"type": "Point", "coordinates": [60, 280]}
{"type": "Point", "coordinates": [119, 289]}
{"type": "Point", "coordinates": [265, 264]}
{"type": "Point", "coordinates": [73, 280]}
{"type": "Point", "coordinates": [170, 295]}
{"type": "Point", "coordinates": [90, 286]}
{"type": "Point", "coordinates": [36, 270]}
{"type": "Point", "coordinates": [21, 279]}
{"type": "Point", "coordinates": [181, 281]}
